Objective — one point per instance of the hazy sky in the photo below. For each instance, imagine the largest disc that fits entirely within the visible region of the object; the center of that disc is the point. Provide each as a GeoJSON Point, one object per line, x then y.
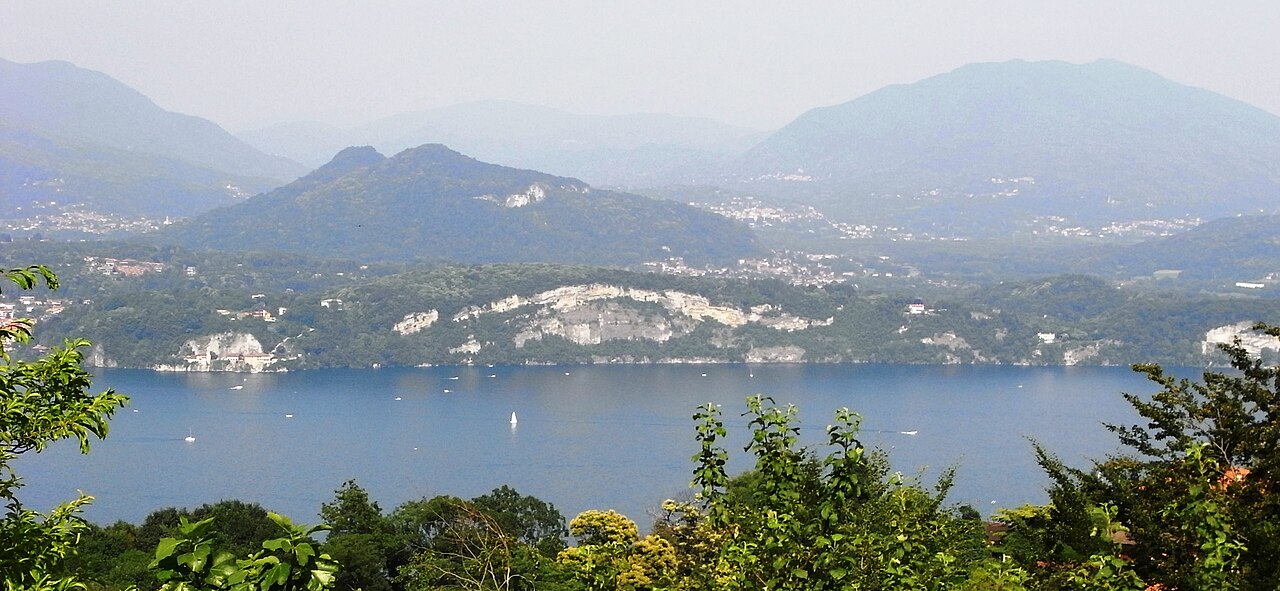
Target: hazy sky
{"type": "Point", "coordinates": [245, 63]}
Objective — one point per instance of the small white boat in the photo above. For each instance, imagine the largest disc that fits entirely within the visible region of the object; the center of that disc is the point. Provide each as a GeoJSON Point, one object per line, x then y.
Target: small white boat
{"type": "Point", "coordinates": [288, 416]}
{"type": "Point", "coordinates": [908, 432]}
{"type": "Point", "coordinates": [493, 375]}
{"type": "Point", "coordinates": [454, 378]}
{"type": "Point", "coordinates": [446, 390]}
{"type": "Point", "coordinates": [397, 398]}
{"type": "Point", "coordinates": [513, 418]}
{"type": "Point", "coordinates": [189, 438]}
{"type": "Point", "coordinates": [237, 387]}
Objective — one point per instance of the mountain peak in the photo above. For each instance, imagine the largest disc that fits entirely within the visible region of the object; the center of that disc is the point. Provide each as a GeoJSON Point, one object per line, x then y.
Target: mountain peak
{"type": "Point", "coordinates": [431, 202]}
{"type": "Point", "coordinates": [435, 153]}
{"type": "Point", "coordinates": [442, 162]}
{"type": "Point", "coordinates": [1092, 143]}
{"type": "Point", "coordinates": [358, 156]}
{"type": "Point", "coordinates": [345, 161]}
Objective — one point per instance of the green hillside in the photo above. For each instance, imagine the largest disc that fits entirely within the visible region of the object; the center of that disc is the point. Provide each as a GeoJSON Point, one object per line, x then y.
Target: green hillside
{"type": "Point", "coordinates": [431, 203]}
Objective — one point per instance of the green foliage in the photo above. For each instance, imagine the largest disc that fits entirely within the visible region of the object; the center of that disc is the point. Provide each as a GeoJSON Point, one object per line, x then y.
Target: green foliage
{"type": "Point", "coordinates": [1105, 569]}
{"type": "Point", "coordinates": [796, 522]}
{"type": "Point", "coordinates": [1236, 416]}
{"type": "Point", "coordinates": [286, 563]}
{"type": "Point", "coordinates": [528, 519]}
{"type": "Point", "coordinates": [42, 402]}
{"type": "Point", "coordinates": [362, 539]}
{"type": "Point", "coordinates": [238, 528]}
{"type": "Point", "coordinates": [470, 549]}
{"type": "Point", "coordinates": [1197, 503]}
{"type": "Point", "coordinates": [1202, 517]}
{"type": "Point", "coordinates": [353, 512]}
{"type": "Point", "coordinates": [145, 321]}
{"type": "Point", "coordinates": [500, 540]}
{"type": "Point", "coordinates": [611, 555]}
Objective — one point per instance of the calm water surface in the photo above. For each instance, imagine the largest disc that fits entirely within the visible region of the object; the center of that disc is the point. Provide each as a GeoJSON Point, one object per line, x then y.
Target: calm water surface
{"type": "Point", "coordinates": [588, 436]}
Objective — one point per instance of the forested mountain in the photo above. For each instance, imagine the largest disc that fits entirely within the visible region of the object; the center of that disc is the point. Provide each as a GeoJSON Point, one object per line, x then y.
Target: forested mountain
{"type": "Point", "coordinates": [200, 310]}
{"type": "Point", "coordinates": [78, 136]}
{"type": "Point", "coordinates": [1094, 143]}
{"type": "Point", "coordinates": [432, 203]}
{"type": "Point", "coordinates": [620, 150]}
{"type": "Point", "coordinates": [1244, 248]}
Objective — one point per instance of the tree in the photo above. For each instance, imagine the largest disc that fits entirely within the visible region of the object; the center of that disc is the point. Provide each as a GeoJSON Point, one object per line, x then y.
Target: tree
{"type": "Point", "coordinates": [41, 402]}
{"type": "Point", "coordinates": [528, 519]}
{"type": "Point", "coordinates": [1199, 501]}
{"type": "Point", "coordinates": [1237, 416]}
{"type": "Point", "coordinates": [612, 555]}
{"type": "Point", "coordinates": [798, 522]}
{"type": "Point", "coordinates": [363, 540]}
{"type": "Point", "coordinates": [501, 540]}
{"type": "Point", "coordinates": [353, 512]}
{"type": "Point", "coordinates": [470, 551]}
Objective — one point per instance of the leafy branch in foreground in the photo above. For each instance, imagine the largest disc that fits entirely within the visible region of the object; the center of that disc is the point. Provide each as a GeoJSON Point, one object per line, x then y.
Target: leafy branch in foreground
{"type": "Point", "coordinates": [42, 402]}
{"type": "Point", "coordinates": [287, 563]}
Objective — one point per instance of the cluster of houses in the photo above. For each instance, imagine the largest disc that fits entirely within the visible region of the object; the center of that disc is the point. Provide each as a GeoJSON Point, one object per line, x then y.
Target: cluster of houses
{"type": "Point", "coordinates": [124, 267]}
{"type": "Point", "coordinates": [262, 314]}
{"type": "Point", "coordinates": [28, 306]}
{"type": "Point", "coordinates": [780, 266]}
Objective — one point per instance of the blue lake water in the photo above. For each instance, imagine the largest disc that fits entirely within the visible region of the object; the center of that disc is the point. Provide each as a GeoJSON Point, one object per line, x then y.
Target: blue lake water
{"type": "Point", "coordinates": [588, 436]}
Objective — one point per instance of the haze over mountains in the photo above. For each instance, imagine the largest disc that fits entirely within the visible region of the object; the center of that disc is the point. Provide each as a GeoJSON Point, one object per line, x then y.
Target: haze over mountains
{"type": "Point", "coordinates": [432, 203]}
{"type": "Point", "coordinates": [981, 176]}
{"type": "Point", "coordinates": [995, 150]}
{"type": "Point", "coordinates": [640, 149]}
{"type": "Point", "coordinates": [75, 135]}
{"type": "Point", "coordinates": [1093, 143]}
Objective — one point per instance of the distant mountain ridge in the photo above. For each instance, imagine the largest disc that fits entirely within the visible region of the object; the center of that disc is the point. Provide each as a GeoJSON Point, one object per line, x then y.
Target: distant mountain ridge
{"type": "Point", "coordinates": [1095, 142]}
{"type": "Point", "coordinates": [433, 203]}
{"type": "Point", "coordinates": [622, 150]}
{"type": "Point", "coordinates": [78, 135]}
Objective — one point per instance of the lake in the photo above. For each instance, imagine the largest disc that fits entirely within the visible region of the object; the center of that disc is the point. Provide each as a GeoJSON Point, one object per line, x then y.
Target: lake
{"type": "Point", "coordinates": [588, 437]}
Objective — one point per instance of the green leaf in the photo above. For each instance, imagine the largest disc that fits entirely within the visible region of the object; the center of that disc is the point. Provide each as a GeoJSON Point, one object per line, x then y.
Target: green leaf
{"type": "Point", "coordinates": [275, 544]}
{"type": "Point", "coordinates": [200, 557]}
{"type": "Point", "coordinates": [278, 575]}
{"type": "Point", "coordinates": [196, 530]}
{"type": "Point", "coordinates": [166, 547]}
{"type": "Point", "coordinates": [304, 552]}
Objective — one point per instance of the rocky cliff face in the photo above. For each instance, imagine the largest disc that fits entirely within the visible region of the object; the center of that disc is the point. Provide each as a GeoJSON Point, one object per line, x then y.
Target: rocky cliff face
{"type": "Point", "coordinates": [595, 313]}
{"type": "Point", "coordinates": [1253, 342]}
{"type": "Point", "coordinates": [414, 323]}
{"type": "Point", "coordinates": [594, 323]}
{"type": "Point", "coordinates": [693, 306]}
{"type": "Point", "coordinates": [228, 351]}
